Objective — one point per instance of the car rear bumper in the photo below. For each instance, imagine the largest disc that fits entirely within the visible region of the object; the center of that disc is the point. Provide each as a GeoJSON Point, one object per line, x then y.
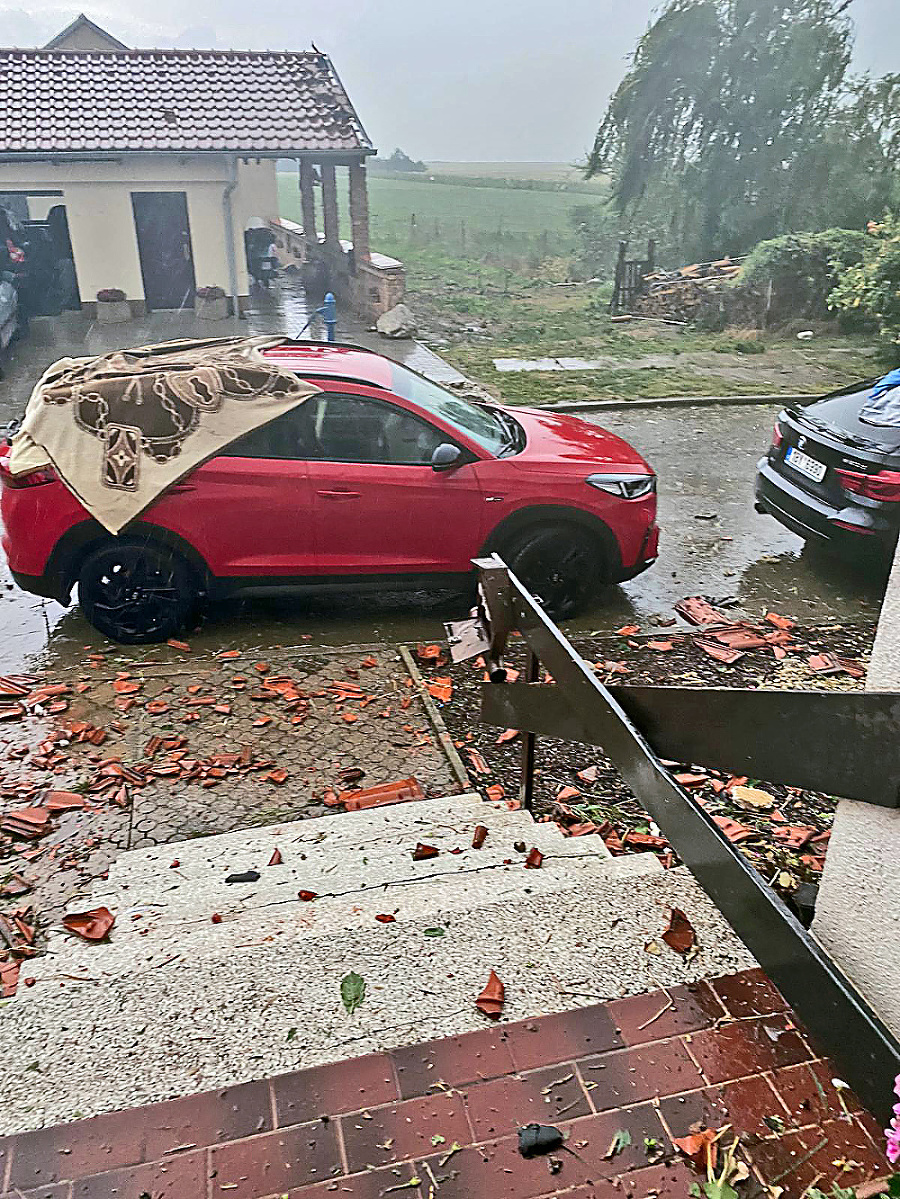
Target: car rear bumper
{"type": "Point", "coordinates": [817, 520]}
{"type": "Point", "coordinates": [49, 586]}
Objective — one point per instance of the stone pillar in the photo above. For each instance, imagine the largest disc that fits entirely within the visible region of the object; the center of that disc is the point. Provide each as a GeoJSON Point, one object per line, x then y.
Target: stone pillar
{"type": "Point", "coordinates": [330, 208]}
{"type": "Point", "coordinates": [308, 202]}
{"type": "Point", "coordinates": [858, 910]}
{"type": "Point", "coordinates": [359, 211]}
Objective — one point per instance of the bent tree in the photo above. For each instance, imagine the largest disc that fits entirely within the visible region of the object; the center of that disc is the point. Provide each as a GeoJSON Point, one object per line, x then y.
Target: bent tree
{"type": "Point", "coordinates": [732, 119]}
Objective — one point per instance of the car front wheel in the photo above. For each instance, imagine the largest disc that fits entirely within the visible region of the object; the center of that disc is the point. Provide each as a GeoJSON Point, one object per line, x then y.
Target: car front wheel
{"type": "Point", "coordinates": [136, 593]}
{"type": "Point", "coordinates": [558, 564]}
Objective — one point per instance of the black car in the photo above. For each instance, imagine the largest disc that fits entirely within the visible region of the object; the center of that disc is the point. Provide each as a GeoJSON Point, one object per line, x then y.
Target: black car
{"type": "Point", "coordinates": [832, 472]}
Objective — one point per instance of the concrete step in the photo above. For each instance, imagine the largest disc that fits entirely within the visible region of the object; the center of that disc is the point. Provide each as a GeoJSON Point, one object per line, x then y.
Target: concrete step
{"type": "Point", "coordinates": [376, 834]}
{"type": "Point", "coordinates": [352, 852]}
{"type": "Point", "coordinates": [359, 865]}
{"type": "Point", "coordinates": [153, 939]}
{"type": "Point", "coordinates": [206, 1015]}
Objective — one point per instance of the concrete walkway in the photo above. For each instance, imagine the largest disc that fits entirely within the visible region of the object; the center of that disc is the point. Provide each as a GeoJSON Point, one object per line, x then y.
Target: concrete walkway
{"type": "Point", "coordinates": [308, 713]}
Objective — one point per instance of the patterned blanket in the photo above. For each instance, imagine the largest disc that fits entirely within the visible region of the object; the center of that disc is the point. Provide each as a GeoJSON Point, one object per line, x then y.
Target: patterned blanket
{"type": "Point", "coordinates": [122, 427]}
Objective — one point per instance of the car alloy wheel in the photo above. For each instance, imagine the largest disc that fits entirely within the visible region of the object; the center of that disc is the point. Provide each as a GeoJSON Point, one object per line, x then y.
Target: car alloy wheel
{"type": "Point", "coordinates": [136, 593]}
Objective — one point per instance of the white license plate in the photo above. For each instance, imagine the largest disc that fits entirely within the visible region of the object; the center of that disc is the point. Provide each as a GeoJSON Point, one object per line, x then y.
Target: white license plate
{"type": "Point", "coordinates": [811, 467]}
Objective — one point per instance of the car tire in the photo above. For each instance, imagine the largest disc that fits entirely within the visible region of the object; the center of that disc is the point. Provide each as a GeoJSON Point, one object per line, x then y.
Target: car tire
{"type": "Point", "coordinates": [559, 564]}
{"type": "Point", "coordinates": [137, 593]}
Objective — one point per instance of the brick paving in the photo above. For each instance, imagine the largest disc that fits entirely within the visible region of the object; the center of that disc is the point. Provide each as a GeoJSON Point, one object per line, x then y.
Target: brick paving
{"type": "Point", "coordinates": [439, 1120]}
{"type": "Point", "coordinates": [218, 705]}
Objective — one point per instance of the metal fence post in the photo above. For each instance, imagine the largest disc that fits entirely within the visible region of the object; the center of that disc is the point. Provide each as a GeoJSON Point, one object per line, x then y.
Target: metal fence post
{"type": "Point", "coordinates": [529, 741]}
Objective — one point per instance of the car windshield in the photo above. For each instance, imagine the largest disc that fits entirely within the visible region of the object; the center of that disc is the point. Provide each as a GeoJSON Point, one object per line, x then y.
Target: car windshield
{"type": "Point", "coordinates": [490, 428]}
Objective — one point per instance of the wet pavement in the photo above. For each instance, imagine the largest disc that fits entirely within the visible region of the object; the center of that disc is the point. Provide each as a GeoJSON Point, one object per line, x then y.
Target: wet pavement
{"type": "Point", "coordinates": [713, 542]}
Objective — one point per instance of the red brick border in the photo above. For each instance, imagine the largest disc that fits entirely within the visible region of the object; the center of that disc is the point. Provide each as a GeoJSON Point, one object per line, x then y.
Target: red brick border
{"type": "Point", "coordinates": [446, 1112]}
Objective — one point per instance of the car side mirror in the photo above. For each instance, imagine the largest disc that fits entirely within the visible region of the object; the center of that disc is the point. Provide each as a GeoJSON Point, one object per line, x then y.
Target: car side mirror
{"type": "Point", "coordinates": [446, 456]}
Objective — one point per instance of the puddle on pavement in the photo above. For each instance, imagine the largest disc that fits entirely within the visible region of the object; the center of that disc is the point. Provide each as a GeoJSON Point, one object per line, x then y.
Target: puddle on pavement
{"type": "Point", "coordinates": [807, 584]}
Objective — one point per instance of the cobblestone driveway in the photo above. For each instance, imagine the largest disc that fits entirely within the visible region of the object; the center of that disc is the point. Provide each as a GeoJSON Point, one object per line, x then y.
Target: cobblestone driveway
{"type": "Point", "coordinates": [300, 719]}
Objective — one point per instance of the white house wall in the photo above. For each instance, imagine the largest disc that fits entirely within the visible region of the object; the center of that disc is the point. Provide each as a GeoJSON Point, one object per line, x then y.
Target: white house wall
{"type": "Point", "coordinates": [858, 909]}
{"type": "Point", "coordinates": [97, 198]}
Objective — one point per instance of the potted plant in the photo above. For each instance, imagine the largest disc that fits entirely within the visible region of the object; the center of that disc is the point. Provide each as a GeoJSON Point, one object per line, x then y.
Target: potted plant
{"type": "Point", "coordinates": [212, 304]}
{"type": "Point", "coordinates": [112, 306]}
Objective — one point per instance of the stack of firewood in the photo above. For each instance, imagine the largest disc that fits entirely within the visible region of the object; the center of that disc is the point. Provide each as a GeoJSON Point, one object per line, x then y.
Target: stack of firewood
{"type": "Point", "coordinates": [683, 294]}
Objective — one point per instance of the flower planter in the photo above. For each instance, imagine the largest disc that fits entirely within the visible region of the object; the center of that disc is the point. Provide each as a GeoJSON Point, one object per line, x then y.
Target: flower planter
{"type": "Point", "coordinates": [212, 310]}
{"type": "Point", "coordinates": [113, 312]}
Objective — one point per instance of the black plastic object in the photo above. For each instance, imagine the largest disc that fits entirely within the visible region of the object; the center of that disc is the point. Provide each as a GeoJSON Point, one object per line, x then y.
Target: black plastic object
{"type": "Point", "coordinates": [535, 1139]}
{"type": "Point", "coordinates": [247, 876]}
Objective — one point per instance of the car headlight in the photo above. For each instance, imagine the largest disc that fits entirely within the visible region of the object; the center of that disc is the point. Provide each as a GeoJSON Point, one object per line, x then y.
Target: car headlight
{"type": "Point", "coordinates": [629, 487]}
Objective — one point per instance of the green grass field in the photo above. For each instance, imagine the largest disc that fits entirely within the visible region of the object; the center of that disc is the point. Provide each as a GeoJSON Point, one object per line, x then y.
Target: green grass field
{"type": "Point", "coordinates": [488, 223]}
{"type": "Point", "coordinates": [484, 261]}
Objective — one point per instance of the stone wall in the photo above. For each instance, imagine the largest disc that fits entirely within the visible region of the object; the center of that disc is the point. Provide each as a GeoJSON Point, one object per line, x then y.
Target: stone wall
{"type": "Point", "coordinates": [370, 288]}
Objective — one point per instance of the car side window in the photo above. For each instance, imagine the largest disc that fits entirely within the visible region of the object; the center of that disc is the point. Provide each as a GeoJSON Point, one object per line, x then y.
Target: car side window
{"type": "Point", "coordinates": [352, 428]}
{"type": "Point", "coordinates": [291, 435]}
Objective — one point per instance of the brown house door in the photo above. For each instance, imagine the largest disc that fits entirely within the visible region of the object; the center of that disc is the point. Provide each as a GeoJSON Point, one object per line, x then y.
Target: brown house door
{"type": "Point", "coordinates": [164, 246]}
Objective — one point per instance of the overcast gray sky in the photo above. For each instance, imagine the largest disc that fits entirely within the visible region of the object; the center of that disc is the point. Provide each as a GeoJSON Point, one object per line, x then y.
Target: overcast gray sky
{"type": "Point", "coordinates": [520, 80]}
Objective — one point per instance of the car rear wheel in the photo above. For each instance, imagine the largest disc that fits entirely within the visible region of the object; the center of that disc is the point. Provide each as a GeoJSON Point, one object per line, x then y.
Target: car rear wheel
{"type": "Point", "coordinates": [136, 593]}
{"type": "Point", "coordinates": [560, 565]}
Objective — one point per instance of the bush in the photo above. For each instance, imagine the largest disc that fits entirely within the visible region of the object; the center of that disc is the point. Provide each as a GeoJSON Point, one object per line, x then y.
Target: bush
{"type": "Point", "coordinates": [803, 269]}
{"type": "Point", "coordinates": [110, 295]}
{"type": "Point", "coordinates": [871, 288]}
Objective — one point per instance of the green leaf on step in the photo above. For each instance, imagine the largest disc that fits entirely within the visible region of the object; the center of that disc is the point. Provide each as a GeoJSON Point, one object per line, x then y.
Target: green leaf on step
{"type": "Point", "coordinates": [292, 1032]}
{"type": "Point", "coordinates": [618, 1143]}
{"type": "Point", "coordinates": [718, 1188]}
{"type": "Point", "coordinates": [353, 991]}
{"type": "Point", "coordinates": [434, 932]}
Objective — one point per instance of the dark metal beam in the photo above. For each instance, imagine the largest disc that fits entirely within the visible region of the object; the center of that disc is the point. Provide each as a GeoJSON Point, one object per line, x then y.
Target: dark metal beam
{"type": "Point", "coordinates": [843, 743]}
{"type": "Point", "coordinates": [840, 1021]}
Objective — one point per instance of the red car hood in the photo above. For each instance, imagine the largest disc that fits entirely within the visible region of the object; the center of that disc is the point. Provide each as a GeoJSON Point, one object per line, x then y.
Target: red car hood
{"type": "Point", "coordinates": [554, 437]}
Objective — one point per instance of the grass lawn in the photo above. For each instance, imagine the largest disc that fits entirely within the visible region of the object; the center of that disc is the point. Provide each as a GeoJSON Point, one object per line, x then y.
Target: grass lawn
{"type": "Point", "coordinates": [482, 261]}
{"type": "Point", "coordinates": [465, 218]}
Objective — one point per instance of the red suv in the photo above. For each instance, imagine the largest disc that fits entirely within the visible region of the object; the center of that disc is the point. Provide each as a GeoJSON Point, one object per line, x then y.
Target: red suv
{"type": "Point", "coordinates": [382, 479]}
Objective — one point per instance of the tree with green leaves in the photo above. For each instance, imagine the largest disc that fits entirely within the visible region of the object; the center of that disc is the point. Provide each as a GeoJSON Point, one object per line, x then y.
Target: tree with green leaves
{"type": "Point", "coordinates": [738, 119]}
{"type": "Point", "coordinates": [871, 289]}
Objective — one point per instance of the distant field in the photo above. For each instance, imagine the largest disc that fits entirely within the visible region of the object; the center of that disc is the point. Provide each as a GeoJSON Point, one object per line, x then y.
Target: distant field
{"type": "Point", "coordinates": [544, 172]}
{"type": "Point", "coordinates": [484, 262]}
{"type": "Point", "coordinates": [463, 218]}
{"type": "Point", "coordinates": [562, 171]}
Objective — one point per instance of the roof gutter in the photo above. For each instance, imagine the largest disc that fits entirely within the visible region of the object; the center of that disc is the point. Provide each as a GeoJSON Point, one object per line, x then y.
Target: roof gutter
{"type": "Point", "coordinates": [228, 220]}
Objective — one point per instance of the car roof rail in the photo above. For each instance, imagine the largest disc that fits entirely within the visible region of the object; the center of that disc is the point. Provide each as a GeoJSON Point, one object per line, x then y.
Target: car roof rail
{"type": "Point", "coordinates": [340, 345]}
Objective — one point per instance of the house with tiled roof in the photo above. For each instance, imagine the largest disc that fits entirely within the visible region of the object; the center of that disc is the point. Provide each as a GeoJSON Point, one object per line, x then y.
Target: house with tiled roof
{"type": "Point", "coordinates": [154, 163]}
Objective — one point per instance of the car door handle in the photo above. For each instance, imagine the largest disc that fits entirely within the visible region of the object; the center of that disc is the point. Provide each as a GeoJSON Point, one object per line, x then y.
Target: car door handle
{"type": "Point", "coordinates": [339, 495]}
{"type": "Point", "coordinates": [182, 487]}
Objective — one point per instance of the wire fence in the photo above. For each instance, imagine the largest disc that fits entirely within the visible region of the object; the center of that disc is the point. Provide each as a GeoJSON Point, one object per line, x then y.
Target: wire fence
{"type": "Point", "coordinates": [522, 251]}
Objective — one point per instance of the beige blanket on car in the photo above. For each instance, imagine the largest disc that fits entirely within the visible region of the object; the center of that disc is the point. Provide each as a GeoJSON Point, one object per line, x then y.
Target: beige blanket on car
{"type": "Point", "coordinates": [122, 427]}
